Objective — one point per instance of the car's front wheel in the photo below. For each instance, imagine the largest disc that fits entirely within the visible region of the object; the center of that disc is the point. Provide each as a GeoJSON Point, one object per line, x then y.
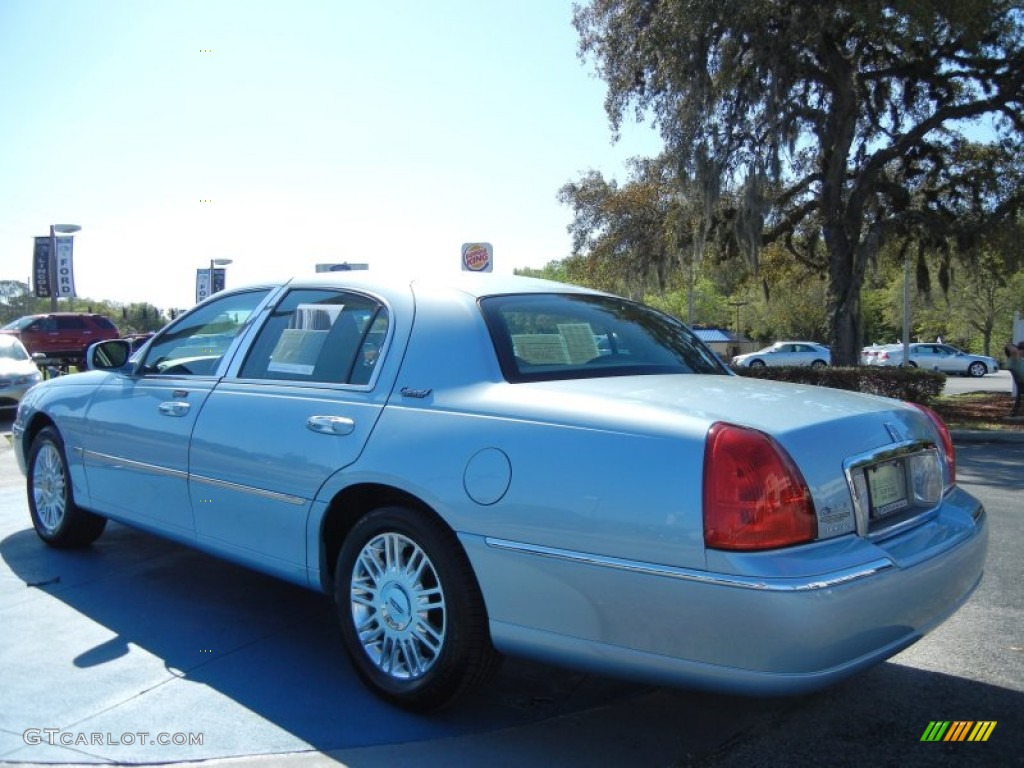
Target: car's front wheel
{"type": "Point", "coordinates": [977, 369]}
{"type": "Point", "coordinates": [55, 516]}
{"type": "Point", "coordinates": [412, 616]}
{"type": "Point", "coordinates": [757, 363]}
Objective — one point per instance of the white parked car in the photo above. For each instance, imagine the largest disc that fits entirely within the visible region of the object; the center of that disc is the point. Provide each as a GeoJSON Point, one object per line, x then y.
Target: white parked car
{"type": "Point", "coordinates": [787, 353]}
{"type": "Point", "coordinates": [932, 357]}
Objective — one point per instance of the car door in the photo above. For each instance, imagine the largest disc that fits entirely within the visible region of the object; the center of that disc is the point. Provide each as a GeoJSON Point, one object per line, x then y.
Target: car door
{"type": "Point", "coordinates": [802, 355]}
{"type": "Point", "coordinates": [783, 355]}
{"type": "Point", "coordinates": [73, 334]}
{"type": "Point", "coordinates": [950, 359]}
{"type": "Point", "coordinates": [135, 452]}
{"type": "Point", "coordinates": [301, 407]}
{"type": "Point", "coordinates": [40, 336]}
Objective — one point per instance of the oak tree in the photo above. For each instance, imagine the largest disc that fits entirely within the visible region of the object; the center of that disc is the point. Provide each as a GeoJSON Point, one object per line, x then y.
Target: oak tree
{"type": "Point", "coordinates": [836, 127]}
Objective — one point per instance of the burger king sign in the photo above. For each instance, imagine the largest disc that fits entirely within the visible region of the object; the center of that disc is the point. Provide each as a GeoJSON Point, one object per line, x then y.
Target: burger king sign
{"type": "Point", "coordinates": [477, 257]}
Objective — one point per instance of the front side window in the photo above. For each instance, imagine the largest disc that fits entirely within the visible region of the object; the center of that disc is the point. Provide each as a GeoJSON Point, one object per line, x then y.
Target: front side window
{"type": "Point", "coordinates": [42, 325]}
{"type": "Point", "coordinates": [195, 344]}
{"type": "Point", "coordinates": [321, 336]}
{"type": "Point", "coordinates": [542, 337]}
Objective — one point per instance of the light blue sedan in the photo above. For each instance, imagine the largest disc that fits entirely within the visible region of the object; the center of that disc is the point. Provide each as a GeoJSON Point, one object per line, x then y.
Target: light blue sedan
{"type": "Point", "coordinates": [488, 465]}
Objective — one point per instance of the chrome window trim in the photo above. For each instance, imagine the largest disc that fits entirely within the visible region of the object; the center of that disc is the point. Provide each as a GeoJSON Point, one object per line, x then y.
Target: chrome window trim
{"type": "Point", "coordinates": [785, 585]}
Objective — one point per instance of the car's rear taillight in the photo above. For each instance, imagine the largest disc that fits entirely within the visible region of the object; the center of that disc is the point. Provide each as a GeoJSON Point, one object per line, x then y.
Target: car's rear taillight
{"type": "Point", "coordinates": [754, 496]}
{"type": "Point", "coordinates": [947, 442]}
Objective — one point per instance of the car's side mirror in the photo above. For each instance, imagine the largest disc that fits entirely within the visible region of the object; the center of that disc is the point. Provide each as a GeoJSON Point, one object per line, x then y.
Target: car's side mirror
{"type": "Point", "coordinates": [108, 355]}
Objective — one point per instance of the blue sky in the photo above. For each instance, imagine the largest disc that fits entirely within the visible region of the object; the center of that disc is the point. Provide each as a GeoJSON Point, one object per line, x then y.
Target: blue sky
{"type": "Point", "coordinates": [284, 134]}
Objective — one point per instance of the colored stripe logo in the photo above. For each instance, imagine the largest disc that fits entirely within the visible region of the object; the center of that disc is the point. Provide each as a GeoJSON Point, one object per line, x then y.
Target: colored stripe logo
{"type": "Point", "coordinates": [958, 730]}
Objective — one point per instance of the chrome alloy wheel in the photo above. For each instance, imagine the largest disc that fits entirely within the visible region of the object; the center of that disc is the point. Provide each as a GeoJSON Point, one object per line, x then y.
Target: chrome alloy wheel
{"type": "Point", "coordinates": [398, 606]}
{"type": "Point", "coordinates": [49, 488]}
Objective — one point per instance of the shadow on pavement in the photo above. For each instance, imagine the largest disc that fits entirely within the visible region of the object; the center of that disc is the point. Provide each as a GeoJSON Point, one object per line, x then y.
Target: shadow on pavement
{"type": "Point", "coordinates": [150, 636]}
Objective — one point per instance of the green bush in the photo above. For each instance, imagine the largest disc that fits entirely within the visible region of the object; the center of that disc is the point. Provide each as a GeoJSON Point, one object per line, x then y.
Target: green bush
{"type": "Point", "coordinates": [911, 384]}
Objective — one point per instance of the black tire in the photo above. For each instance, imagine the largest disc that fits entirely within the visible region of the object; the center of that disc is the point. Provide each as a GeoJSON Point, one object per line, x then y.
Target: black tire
{"type": "Point", "coordinates": [55, 516]}
{"type": "Point", "coordinates": [977, 369]}
{"type": "Point", "coordinates": [819, 364]}
{"type": "Point", "coordinates": [412, 616]}
{"type": "Point", "coordinates": [757, 363]}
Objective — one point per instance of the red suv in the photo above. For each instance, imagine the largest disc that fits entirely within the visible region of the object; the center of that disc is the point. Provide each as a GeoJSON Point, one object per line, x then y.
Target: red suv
{"type": "Point", "coordinates": [61, 335]}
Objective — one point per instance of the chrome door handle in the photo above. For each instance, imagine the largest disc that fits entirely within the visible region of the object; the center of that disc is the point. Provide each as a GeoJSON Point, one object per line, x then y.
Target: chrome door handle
{"type": "Point", "coordinates": [173, 409]}
{"type": "Point", "coordinates": [331, 425]}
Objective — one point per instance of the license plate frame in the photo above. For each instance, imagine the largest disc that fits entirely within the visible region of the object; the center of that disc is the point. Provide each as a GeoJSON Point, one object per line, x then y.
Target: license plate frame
{"type": "Point", "coordinates": [887, 488]}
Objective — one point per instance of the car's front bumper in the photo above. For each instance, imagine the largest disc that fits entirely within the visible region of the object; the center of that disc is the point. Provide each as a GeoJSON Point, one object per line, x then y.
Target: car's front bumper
{"type": "Point", "coordinates": [747, 632]}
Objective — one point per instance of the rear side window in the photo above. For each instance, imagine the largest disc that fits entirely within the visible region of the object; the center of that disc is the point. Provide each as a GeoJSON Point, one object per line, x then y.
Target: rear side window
{"type": "Point", "coordinates": [541, 337]}
{"type": "Point", "coordinates": [319, 336]}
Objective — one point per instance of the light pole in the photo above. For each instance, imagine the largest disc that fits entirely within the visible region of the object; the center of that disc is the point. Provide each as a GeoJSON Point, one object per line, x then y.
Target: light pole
{"type": "Point", "coordinates": [906, 309]}
{"type": "Point", "coordinates": [213, 264]}
{"type": "Point", "coordinates": [57, 229]}
{"type": "Point", "coordinates": [738, 304]}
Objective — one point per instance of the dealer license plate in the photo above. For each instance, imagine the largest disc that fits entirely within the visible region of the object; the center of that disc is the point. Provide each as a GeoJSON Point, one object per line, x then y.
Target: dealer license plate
{"type": "Point", "coordinates": [887, 485]}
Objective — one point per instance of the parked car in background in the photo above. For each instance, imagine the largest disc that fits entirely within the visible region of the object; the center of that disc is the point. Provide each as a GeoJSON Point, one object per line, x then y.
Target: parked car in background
{"type": "Point", "coordinates": [18, 372]}
{"type": "Point", "coordinates": [61, 335]}
{"type": "Point", "coordinates": [483, 463]}
{"type": "Point", "coordinates": [787, 353]}
{"type": "Point", "coordinates": [933, 357]}
{"type": "Point", "coordinates": [870, 355]}
{"type": "Point", "coordinates": [136, 340]}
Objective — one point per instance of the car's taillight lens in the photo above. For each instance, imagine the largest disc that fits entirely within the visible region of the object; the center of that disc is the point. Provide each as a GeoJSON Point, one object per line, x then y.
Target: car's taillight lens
{"type": "Point", "coordinates": [947, 442]}
{"type": "Point", "coordinates": [754, 496]}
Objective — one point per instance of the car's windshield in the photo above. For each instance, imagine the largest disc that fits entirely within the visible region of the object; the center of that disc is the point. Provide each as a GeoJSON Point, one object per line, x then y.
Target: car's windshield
{"type": "Point", "coordinates": [567, 336]}
{"type": "Point", "coordinates": [21, 322]}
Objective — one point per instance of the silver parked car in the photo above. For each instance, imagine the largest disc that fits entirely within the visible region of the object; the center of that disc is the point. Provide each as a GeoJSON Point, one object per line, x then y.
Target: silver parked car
{"type": "Point", "coordinates": [787, 353]}
{"type": "Point", "coordinates": [493, 464]}
{"type": "Point", "coordinates": [933, 357]}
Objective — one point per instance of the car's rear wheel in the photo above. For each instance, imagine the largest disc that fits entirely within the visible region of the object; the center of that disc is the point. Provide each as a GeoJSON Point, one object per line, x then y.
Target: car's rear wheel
{"type": "Point", "coordinates": [819, 364]}
{"type": "Point", "coordinates": [412, 616]}
{"type": "Point", "coordinates": [757, 363]}
{"type": "Point", "coordinates": [977, 369]}
{"type": "Point", "coordinates": [55, 516]}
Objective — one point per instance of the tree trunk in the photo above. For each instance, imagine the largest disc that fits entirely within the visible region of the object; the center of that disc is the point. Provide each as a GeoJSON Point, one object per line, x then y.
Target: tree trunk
{"type": "Point", "coordinates": [843, 305]}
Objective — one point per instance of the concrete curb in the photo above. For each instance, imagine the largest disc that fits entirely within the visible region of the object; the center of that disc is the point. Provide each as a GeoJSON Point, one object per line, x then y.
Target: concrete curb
{"type": "Point", "coordinates": [987, 436]}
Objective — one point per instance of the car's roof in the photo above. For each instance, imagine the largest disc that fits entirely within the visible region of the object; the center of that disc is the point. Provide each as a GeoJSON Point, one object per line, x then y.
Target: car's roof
{"type": "Point", "coordinates": [474, 284]}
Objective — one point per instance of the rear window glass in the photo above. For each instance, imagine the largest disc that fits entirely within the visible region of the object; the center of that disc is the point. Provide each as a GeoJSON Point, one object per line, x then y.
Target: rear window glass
{"type": "Point", "coordinates": [103, 322]}
{"type": "Point", "coordinates": [562, 336]}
